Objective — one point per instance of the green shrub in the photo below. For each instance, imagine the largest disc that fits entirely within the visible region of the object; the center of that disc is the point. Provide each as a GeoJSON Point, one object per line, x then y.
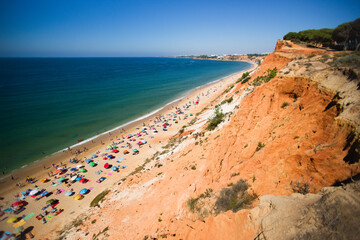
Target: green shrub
{"type": "Point", "coordinates": [228, 89]}
{"type": "Point", "coordinates": [245, 80]}
{"type": "Point", "coordinates": [244, 76]}
{"type": "Point", "coordinates": [234, 198]}
{"type": "Point", "coordinates": [229, 100]}
{"type": "Point", "coordinates": [99, 198]}
{"type": "Point", "coordinates": [191, 203]}
{"type": "Point", "coordinates": [260, 146]}
{"type": "Point", "coordinates": [216, 120]}
{"type": "Point", "coordinates": [284, 105]}
{"type": "Point", "coordinates": [271, 73]}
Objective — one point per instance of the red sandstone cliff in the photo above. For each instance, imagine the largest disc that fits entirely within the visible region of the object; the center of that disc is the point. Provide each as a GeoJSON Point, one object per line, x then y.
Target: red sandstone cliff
{"type": "Point", "coordinates": [294, 131]}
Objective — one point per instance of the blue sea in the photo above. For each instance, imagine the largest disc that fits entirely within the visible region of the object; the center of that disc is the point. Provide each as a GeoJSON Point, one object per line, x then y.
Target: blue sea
{"type": "Point", "coordinates": [47, 104]}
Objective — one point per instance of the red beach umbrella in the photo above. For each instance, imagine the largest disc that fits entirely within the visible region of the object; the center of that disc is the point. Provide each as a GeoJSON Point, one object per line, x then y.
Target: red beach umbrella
{"type": "Point", "coordinates": [105, 158]}
{"type": "Point", "coordinates": [18, 203]}
{"type": "Point", "coordinates": [106, 165]}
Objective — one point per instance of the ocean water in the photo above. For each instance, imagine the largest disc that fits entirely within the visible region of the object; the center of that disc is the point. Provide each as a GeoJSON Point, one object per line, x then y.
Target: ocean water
{"type": "Point", "coordinates": [47, 104]}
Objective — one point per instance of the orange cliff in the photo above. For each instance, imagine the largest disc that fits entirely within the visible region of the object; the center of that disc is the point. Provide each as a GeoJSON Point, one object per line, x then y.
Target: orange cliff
{"type": "Point", "coordinates": [289, 131]}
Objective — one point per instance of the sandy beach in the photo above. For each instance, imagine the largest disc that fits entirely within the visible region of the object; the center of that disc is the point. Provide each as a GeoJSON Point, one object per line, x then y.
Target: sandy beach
{"type": "Point", "coordinates": [72, 208]}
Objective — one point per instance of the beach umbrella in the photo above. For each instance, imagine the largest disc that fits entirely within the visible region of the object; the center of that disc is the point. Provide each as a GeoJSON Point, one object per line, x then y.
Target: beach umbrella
{"type": "Point", "coordinates": [122, 159]}
{"type": "Point", "coordinates": [73, 169]}
{"type": "Point", "coordinates": [12, 220]}
{"type": "Point", "coordinates": [80, 166]}
{"type": "Point", "coordinates": [135, 150]}
{"type": "Point", "coordinates": [33, 192]}
{"type": "Point", "coordinates": [78, 197]}
{"type": "Point", "coordinates": [94, 156]}
{"type": "Point", "coordinates": [143, 141]}
{"type": "Point", "coordinates": [62, 179]}
{"type": "Point", "coordinates": [115, 151]}
{"type": "Point", "coordinates": [58, 171]}
{"type": "Point", "coordinates": [88, 160]}
{"type": "Point", "coordinates": [51, 201]}
{"type": "Point", "coordinates": [73, 178]}
{"type": "Point", "coordinates": [106, 165]}
{"type": "Point", "coordinates": [83, 170]}
{"type": "Point", "coordinates": [126, 151]}
{"type": "Point", "coordinates": [114, 147]}
{"type": "Point", "coordinates": [83, 191]}
{"type": "Point", "coordinates": [69, 193]}
{"type": "Point", "coordinates": [44, 180]}
{"type": "Point", "coordinates": [82, 180]}
{"type": "Point", "coordinates": [92, 164]}
{"type": "Point", "coordinates": [78, 178]}
{"type": "Point", "coordinates": [110, 156]}
{"type": "Point", "coordinates": [114, 168]}
{"type": "Point", "coordinates": [105, 158]}
{"type": "Point", "coordinates": [18, 203]}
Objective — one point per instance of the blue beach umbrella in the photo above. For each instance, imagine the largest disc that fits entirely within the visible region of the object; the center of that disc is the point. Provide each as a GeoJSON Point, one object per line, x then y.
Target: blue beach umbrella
{"type": "Point", "coordinates": [88, 160]}
{"type": "Point", "coordinates": [78, 178]}
{"type": "Point", "coordinates": [73, 169]}
{"type": "Point", "coordinates": [114, 168]}
{"type": "Point", "coordinates": [122, 159]}
{"type": "Point", "coordinates": [83, 191]}
{"type": "Point", "coordinates": [135, 150]}
{"type": "Point", "coordinates": [94, 156]}
{"type": "Point", "coordinates": [110, 156]}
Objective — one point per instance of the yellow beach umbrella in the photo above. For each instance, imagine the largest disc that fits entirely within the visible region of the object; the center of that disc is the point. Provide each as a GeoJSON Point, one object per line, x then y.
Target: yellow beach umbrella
{"type": "Point", "coordinates": [13, 219]}
{"type": "Point", "coordinates": [78, 197]}
{"type": "Point", "coordinates": [19, 223]}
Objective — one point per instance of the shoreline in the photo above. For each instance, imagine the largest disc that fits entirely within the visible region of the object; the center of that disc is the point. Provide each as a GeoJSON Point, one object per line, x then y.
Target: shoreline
{"type": "Point", "coordinates": [40, 168]}
{"type": "Point", "coordinates": [153, 113]}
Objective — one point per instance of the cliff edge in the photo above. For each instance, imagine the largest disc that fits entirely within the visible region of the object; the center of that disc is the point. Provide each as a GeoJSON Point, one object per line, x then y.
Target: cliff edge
{"type": "Point", "coordinates": [291, 126]}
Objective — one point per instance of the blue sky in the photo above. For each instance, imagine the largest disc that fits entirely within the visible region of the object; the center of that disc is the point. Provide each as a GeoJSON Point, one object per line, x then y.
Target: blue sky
{"type": "Point", "coordinates": [159, 27]}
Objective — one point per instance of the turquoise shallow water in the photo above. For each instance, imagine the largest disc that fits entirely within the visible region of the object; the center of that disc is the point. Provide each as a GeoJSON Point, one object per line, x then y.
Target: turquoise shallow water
{"type": "Point", "coordinates": [49, 103]}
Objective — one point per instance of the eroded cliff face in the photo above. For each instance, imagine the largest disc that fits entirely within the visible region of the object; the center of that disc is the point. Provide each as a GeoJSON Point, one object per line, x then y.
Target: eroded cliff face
{"type": "Point", "coordinates": [293, 133]}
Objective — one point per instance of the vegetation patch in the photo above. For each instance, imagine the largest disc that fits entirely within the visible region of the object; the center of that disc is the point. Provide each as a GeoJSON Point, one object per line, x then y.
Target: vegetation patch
{"type": "Point", "coordinates": [101, 232]}
{"type": "Point", "coordinates": [271, 73]}
{"type": "Point", "coordinates": [244, 78]}
{"type": "Point", "coordinates": [193, 121]}
{"type": "Point", "coordinates": [229, 100]}
{"type": "Point", "coordinates": [228, 89]}
{"type": "Point", "coordinates": [284, 104]}
{"type": "Point", "coordinates": [300, 187]}
{"type": "Point", "coordinates": [216, 120]}
{"type": "Point", "coordinates": [234, 198]}
{"type": "Point", "coordinates": [99, 198]}
{"type": "Point", "coordinates": [346, 60]}
{"type": "Point", "coordinates": [192, 202]}
{"type": "Point", "coordinates": [260, 146]}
